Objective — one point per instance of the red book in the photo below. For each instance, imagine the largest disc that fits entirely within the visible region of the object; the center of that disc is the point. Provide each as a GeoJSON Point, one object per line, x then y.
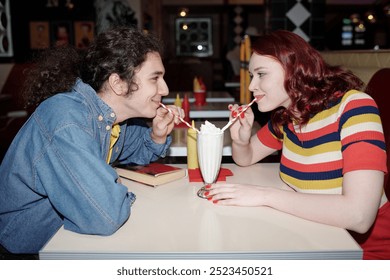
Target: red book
{"type": "Point", "coordinates": [152, 174]}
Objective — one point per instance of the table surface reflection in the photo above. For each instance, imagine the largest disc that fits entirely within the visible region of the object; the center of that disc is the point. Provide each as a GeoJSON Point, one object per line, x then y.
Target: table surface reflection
{"type": "Point", "coordinates": [171, 222]}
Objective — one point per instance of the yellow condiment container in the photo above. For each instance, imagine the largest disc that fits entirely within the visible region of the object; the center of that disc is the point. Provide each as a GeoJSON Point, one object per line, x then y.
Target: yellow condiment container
{"type": "Point", "coordinates": [192, 155]}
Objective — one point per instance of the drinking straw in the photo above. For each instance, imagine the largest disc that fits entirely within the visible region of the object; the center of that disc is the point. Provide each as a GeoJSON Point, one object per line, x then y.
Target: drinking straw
{"type": "Point", "coordinates": [180, 118]}
{"type": "Point", "coordinates": [234, 119]}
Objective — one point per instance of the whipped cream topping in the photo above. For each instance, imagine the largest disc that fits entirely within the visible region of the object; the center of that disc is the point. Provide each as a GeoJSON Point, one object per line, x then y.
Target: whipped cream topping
{"type": "Point", "coordinates": [209, 128]}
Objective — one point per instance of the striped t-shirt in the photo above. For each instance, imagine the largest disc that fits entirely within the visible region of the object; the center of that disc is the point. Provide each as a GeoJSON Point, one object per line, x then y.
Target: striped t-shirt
{"type": "Point", "coordinates": [348, 136]}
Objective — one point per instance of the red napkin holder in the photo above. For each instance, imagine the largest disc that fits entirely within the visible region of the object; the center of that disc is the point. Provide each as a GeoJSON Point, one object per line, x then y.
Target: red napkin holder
{"type": "Point", "coordinates": [181, 125]}
{"type": "Point", "coordinates": [195, 175]}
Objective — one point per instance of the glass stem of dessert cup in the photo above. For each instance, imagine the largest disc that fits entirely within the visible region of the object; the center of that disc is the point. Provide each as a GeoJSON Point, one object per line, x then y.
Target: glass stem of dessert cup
{"type": "Point", "coordinates": [209, 147]}
{"type": "Point", "coordinates": [201, 192]}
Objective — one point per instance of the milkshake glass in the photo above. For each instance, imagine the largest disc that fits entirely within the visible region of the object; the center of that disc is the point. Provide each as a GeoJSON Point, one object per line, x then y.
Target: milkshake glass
{"type": "Point", "coordinates": [209, 147]}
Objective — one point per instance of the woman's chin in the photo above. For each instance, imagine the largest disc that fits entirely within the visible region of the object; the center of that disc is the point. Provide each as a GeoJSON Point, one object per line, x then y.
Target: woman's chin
{"type": "Point", "coordinates": [264, 109]}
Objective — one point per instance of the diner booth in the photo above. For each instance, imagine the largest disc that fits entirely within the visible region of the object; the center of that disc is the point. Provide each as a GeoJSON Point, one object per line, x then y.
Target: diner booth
{"type": "Point", "coordinates": [201, 39]}
{"type": "Point", "coordinates": [207, 49]}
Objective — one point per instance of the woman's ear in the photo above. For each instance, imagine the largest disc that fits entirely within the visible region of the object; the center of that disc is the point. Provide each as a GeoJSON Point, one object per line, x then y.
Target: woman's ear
{"type": "Point", "coordinates": [117, 85]}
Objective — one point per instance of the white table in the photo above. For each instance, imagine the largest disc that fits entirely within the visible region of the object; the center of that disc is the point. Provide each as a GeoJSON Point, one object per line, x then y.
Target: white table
{"type": "Point", "coordinates": [210, 111]}
{"type": "Point", "coordinates": [178, 147]}
{"type": "Point", "coordinates": [171, 222]}
{"type": "Point", "coordinates": [211, 97]}
{"type": "Point", "coordinates": [216, 104]}
{"type": "Point", "coordinates": [232, 84]}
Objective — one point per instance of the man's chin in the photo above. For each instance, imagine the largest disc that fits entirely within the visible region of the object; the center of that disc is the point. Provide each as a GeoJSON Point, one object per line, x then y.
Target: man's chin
{"type": "Point", "coordinates": [150, 115]}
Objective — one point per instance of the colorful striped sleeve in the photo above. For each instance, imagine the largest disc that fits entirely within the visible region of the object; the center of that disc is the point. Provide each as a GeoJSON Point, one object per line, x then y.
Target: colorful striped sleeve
{"type": "Point", "coordinates": [361, 134]}
{"type": "Point", "coordinates": [267, 137]}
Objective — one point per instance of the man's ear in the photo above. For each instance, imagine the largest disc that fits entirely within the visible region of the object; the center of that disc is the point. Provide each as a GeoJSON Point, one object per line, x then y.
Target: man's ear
{"type": "Point", "coordinates": [117, 85]}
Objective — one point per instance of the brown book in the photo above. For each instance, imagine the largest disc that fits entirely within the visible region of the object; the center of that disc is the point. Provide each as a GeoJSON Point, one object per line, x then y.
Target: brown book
{"type": "Point", "coordinates": [153, 174]}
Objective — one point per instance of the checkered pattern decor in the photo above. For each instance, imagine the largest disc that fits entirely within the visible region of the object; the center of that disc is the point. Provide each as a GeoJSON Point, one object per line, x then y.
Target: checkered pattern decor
{"type": "Point", "coordinates": [303, 17]}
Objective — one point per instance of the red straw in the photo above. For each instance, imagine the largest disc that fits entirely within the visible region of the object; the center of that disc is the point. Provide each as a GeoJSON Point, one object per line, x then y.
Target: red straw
{"type": "Point", "coordinates": [180, 118]}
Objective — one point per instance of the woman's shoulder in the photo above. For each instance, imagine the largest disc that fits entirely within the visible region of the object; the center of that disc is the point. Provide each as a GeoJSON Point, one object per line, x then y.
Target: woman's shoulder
{"type": "Point", "coordinates": [355, 95]}
{"type": "Point", "coordinates": [355, 98]}
{"type": "Point", "coordinates": [356, 102]}
{"type": "Point", "coordinates": [351, 102]}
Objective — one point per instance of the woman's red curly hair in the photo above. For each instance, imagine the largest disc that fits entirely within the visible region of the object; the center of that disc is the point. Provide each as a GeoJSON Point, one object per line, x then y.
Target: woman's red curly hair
{"type": "Point", "coordinates": [310, 82]}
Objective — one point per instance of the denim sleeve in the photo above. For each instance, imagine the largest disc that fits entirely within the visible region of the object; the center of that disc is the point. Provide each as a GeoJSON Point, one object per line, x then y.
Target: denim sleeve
{"type": "Point", "coordinates": [80, 185]}
{"type": "Point", "coordinates": [139, 147]}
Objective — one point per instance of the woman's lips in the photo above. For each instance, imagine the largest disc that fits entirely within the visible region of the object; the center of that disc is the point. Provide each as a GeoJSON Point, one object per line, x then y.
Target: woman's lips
{"type": "Point", "coordinates": [258, 97]}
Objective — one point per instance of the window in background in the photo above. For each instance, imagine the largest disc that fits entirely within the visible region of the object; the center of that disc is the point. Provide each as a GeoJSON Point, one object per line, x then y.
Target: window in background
{"type": "Point", "coordinates": [194, 37]}
{"type": "Point", "coordinates": [353, 33]}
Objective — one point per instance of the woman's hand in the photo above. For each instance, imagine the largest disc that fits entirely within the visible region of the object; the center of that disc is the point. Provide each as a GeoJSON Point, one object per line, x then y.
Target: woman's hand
{"type": "Point", "coordinates": [241, 129]}
{"type": "Point", "coordinates": [164, 122]}
{"type": "Point", "coordinates": [238, 194]}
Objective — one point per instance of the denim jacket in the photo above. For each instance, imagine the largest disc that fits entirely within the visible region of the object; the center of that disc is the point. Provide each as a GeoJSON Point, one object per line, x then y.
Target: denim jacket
{"type": "Point", "coordinates": [55, 171]}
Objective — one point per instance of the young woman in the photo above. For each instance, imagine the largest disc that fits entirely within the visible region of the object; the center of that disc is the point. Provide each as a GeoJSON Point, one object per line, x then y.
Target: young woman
{"type": "Point", "coordinates": [333, 157]}
{"type": "Point", "coordinates": [58, 169]}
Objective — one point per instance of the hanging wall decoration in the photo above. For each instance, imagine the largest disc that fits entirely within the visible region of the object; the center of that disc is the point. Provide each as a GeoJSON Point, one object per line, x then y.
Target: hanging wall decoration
{"type": "Point", "coordinates": [84, 33]}
{"type": "Point", "coordinates": [305, 18]}
{"type": "Point", "coordinates": [61, 33]}
{"type": "Point", "coordinates": [39, 35]}
{"type": "Point", "coordinates": [111, 13]}
{"type": "Point", "coordinates": [194, 37]}
{"type": "Point", "coordinates": [6, 49]}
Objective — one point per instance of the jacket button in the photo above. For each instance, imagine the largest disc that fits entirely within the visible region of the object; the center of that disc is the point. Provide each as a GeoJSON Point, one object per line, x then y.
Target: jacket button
{"type": "Point", "coordinates": [112, 115]}
{"type": "Point", "coordinates": [100, 118]}
{"type": "Point", "coordinates": [108, 127]}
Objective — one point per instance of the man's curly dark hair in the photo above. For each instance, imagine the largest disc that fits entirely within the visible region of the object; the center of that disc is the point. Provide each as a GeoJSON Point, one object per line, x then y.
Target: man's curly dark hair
{"type": "Point", "coordinates": [54, 71]}
{"type": "Point", "coordinates": [120, 50]}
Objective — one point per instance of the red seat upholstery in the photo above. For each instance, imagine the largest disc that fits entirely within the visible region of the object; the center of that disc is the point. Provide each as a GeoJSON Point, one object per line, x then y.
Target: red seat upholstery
{"type": "Point", "coordinates": [13, 89]}
{"type": "Point", "coordinates": [12, 112]}
{"type": "Point", "coordinates": [378, 88]}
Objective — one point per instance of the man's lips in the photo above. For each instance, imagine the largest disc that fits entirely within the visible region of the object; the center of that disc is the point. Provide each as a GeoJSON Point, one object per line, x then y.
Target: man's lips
{"type": "Point", "coordinates": [157, 102]}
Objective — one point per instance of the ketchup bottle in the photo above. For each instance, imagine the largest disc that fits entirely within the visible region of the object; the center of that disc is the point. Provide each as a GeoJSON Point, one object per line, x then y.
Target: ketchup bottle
{"type": "Point", "coordinates": [186, 107]}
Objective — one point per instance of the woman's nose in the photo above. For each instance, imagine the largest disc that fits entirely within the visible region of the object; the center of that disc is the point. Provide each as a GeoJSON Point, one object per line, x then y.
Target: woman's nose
{"type": "Point", "coordinates": [252, 85]}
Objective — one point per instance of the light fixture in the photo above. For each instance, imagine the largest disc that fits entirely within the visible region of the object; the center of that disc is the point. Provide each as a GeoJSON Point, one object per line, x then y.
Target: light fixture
{"type": "Point", "coordinates": [52, 3]}
{"type": "Point", "coordinates": [183, 12]}
{"type": "Point", "coordinates": [370, 17]}
{"type": "Point", "coordinates": [355, 18]}
{"type": "Point", "coordinates": [56, 3]}
{"type": "Point", "coordinates": [360, 27]}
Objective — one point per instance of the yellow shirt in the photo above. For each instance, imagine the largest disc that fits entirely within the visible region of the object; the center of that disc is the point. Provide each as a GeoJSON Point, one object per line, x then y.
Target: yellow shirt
{"type": "Point", "coordinates": [115, 131]}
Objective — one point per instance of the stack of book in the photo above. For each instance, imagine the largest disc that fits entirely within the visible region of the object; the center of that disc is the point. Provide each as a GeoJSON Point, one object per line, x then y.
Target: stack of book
{"type": "Point", "coordinates": [153, 174]}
